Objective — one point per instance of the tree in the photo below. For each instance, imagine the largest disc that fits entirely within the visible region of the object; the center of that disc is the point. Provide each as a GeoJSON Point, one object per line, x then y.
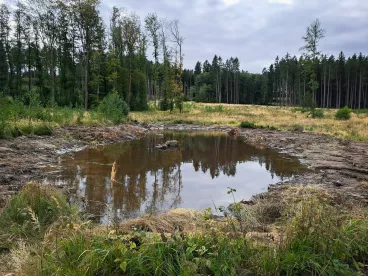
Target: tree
{"type": "Point", "coordinates": [310, 50]}
{"type": "Point", "coordinates": [87, 18]}
{"type": "Point", "coordinates": [153, 25]}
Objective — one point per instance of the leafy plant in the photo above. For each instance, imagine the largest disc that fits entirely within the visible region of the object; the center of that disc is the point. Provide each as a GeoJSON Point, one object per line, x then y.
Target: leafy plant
{"type": "Point", "coordinates": [317, 113]}
{"type": "Point", "coordinates": [343, 113]}
{"type": "Point", "coordinates": [113, 107]}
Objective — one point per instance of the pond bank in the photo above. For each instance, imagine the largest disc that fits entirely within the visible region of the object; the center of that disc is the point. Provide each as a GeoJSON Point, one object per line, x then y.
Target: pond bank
{"type": "Point", "coordinates": [338, 165]}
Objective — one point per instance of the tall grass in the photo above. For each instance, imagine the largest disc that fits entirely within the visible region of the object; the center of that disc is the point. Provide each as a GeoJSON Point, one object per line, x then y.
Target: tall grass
{"type": "Point", "coordinates": [29, 214]}
{"type": "Point", "coordinates": [17, 118]}
{"type": "Point", "coordinates": [314, 238]}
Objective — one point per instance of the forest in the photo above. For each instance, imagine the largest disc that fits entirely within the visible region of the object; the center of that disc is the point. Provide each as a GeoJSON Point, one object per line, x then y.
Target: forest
{"type": "Point", "coordinates": [341, 82]}
{"type": "Point", "coordinates": [63, 52]}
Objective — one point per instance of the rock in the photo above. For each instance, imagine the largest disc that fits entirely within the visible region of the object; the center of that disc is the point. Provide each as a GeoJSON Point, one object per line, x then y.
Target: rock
{"type": "Point", "coordinates": [172, 144]}
{"type": "Point", "coordinates": [168, 145]}
{"type": "Point", "coordinates": [161, 147]}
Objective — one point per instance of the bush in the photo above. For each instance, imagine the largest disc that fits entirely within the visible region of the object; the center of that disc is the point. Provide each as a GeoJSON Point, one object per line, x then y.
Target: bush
{"type": "Point", "coordinates": [343, 113]}
{"type": "Point", "coordinates": [179, 102]}
{"type": "Point", "coordinates": [164, 104]}
{"type": "Point", "coordinates": [317, 113]}
{"type": "Point", "coordinates": [246, 124]}
{"type": "Point", "coordinates": [113, 107]}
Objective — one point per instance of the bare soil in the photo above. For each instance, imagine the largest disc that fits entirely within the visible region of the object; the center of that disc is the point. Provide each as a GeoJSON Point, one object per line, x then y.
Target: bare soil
{"type": "Point", "coordinates": [338, 165]}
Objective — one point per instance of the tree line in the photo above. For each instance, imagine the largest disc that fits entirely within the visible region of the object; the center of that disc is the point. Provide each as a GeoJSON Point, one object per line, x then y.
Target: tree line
{"type": "Point", "coordinates": [327, 81]}
{"type": "Point", "coordinates": [63, 52]}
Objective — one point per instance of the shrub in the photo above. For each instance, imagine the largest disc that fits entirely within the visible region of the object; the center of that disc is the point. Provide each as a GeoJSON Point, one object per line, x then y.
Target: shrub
{"type": "Point", "coordinates": [113, 107]}
{"type": "Point", "coordinates": [164, 104]}
{"type": "Point", "coordinates": [317, 113]}
{"type": "Point", "coordinates": [343, 113]}
{"type": "Point", "coordinates": [179, 102]}
{"type": "Point", "coordinates": [246, 124]}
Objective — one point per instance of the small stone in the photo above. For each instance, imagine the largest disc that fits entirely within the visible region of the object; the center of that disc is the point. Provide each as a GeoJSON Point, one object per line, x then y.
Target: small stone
{"type": "Point", "coordinates": [172, 144]}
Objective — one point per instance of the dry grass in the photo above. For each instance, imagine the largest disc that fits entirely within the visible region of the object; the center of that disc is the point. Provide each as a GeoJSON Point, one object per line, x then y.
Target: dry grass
{"type": "Point", "coordinates": [182, 220]}
{"type": "Point", "coordinates": [284, 118]}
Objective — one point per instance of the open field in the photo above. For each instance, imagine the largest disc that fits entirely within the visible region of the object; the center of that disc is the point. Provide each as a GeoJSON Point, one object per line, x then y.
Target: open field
{"type": "Point", "coordinates": [283, 118]}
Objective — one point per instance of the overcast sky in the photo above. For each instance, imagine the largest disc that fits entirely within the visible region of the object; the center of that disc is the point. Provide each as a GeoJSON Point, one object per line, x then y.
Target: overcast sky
{"type": "Point", "coordinates": [256, 31]}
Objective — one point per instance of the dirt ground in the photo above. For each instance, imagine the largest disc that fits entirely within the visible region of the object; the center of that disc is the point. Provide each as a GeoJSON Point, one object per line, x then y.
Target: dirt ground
{"type": "Point", "coordinates": [338, 165]}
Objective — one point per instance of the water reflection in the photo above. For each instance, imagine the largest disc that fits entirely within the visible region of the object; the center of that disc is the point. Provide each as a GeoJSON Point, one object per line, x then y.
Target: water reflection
{"type": "Point", "coordinates": [128, 179]}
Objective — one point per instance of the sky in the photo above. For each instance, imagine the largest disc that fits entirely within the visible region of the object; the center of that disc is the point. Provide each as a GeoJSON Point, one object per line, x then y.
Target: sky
{"type": "Point", "coordinates": [255, 31]}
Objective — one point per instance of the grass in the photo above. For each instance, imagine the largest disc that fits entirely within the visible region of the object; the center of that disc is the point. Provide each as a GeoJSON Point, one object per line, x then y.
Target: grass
{"type": "Point", "coordinates": [29, 214]}
{"type": "Point", "coordinates": [17, 119]}
{"type": "Point", "coordinates": [311, 235]}
{"type": "Point", "coordinates": [282, 118]}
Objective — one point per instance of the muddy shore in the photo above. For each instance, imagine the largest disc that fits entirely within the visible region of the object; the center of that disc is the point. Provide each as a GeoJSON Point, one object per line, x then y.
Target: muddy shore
{"type": "Point", "coordinates": [338, 165]}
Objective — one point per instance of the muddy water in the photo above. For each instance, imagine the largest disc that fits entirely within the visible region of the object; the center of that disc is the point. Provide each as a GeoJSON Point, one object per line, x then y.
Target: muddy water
{"type": "Point", "coordinates": [127, 180]}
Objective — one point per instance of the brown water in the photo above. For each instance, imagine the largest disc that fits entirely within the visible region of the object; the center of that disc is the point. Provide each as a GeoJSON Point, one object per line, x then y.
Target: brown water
{"type": "Point", "coordinates": [146, 180]}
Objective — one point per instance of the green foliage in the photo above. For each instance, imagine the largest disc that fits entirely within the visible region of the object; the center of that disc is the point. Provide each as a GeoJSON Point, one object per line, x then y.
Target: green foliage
{"type": "Point", "coordinates": [317, 113]}
{"type": "Point", "coordinates": [252, 125]}
{"type": "Point", "coordinates": [216, 108]}
{"type": "Point", "coordinates": [189, 106]}
{"type": "Point", "coordinates": [321, 241]}
{"type": "Point", "coordinates": [179, 100]}
{"type": "Point", "coordinates": [141, 254]}
{"type": "Point", "coordinates": [164, 104]}
{"type": "Point", "coordinates": [4, 116]}
{"type": "Point", "coordinates": [29, 214]}
{"type": "Point", "coordinates": [113, 107]}
{"type": "Point", "coordinates": [246, 124]}
{"type": "Point", "coordinates": [343, 113]}
{"type": "Point", "coordinates": [308, 101]}
{"type": "Point", "coordinates": [360, 111]}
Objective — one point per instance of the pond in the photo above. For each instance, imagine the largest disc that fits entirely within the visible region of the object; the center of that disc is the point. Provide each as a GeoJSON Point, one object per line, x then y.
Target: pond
{"type": "Point", "coordinates": [129, 179]}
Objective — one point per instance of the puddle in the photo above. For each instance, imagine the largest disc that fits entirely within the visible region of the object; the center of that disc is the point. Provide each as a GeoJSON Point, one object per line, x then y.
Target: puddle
{"type": "Point", "coordinates": [195, 176]}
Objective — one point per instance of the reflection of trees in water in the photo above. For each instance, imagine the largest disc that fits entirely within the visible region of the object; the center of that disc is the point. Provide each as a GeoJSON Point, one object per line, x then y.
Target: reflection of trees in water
{"type": "Point", "coordinates": [137, 161]}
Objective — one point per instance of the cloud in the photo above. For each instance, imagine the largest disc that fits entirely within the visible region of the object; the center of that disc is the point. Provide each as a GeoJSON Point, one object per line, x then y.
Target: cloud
{"type": "Point", "coordinates": [287, 2]}
{"type": "Point", "coordinates": [230, 2]}
{"type": "Point", "coordinates": [255, 31]}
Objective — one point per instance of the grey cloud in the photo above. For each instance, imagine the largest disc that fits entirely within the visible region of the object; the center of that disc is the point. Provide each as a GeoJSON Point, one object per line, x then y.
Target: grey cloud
{"type": "Point", "coordinates": [257, 31]}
